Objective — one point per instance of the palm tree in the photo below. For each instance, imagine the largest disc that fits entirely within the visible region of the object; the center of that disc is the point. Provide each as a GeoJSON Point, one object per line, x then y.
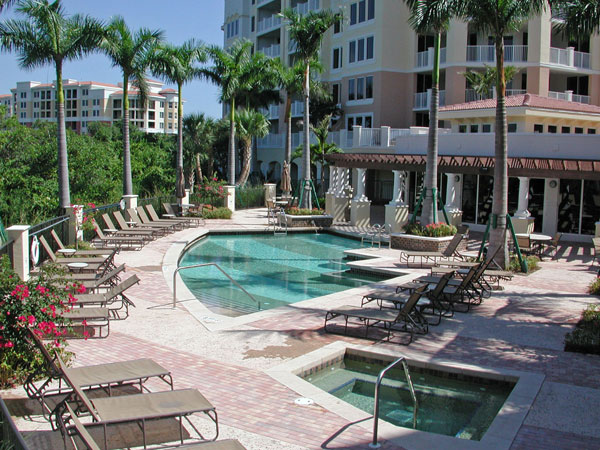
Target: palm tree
{"type": "Point", "coordinates": [48, 36]}
{"type": "Point", "coordinates": [198, 139]}
{"type": "Point", "coordinates": [130, 51]}
{"type": "Point", "coordinates": [431, 16]}
{"type": "Point", "coordinates": [238, 73]}
{"type": "Point", "coordinates": [249, 124]}
{"type": "Point", "coordinates": [482, 82]}
{"type": "Point", "coordinates": [308, 31]}
{"type": "Point", "coordinates": [6, 4]}
{"type": "Point", "coordinates": [580, 18]}
{"type": "Point", "coordinates": [498, 18]}
{"type": "Point", "coordinates": [176, 64]}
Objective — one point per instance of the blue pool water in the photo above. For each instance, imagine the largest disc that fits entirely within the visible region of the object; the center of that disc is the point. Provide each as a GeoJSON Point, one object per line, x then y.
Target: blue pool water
{"type": "Point", "coordinates": [276, 270]}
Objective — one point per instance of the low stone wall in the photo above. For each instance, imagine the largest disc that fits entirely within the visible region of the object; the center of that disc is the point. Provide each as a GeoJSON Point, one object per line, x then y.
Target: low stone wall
{"type": "Point", "coordinates": [403, 241]}
{"type": "Point", "coordinates": [322, 221]}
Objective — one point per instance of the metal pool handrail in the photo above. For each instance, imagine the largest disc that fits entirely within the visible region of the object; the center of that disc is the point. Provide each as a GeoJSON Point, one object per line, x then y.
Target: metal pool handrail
{"type": "Point", "coordinates": [204, 265]}
{"type": "Point", "coordinates": [382, 374]}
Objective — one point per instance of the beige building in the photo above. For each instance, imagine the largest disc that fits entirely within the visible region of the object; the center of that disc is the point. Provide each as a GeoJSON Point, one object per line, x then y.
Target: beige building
{"type": "Point", "coordinates": [92, 101]}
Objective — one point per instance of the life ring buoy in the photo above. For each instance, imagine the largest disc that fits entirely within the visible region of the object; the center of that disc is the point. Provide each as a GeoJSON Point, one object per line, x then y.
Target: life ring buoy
{"type": "Point", "coordinates": [35, 250]}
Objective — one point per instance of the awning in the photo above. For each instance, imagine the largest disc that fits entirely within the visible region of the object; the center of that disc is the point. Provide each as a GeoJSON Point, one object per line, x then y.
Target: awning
{"type": "Point", "coordinates": [481, 165]}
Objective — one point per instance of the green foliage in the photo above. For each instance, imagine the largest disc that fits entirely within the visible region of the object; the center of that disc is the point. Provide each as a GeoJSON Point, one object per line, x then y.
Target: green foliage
{"type": "Point", "coordinates": [533, 263]}
{"type": "Point", "coordinates": [483, 82]}
{"type": "Point", "coordinates": [28, 162]}
{"type": "Point", "coordinates": [210, 192]}
{"type": "Point", "coordinates": [432, 230]}
{"type": "Point", "coordinates": [249, 196]}
{"type": "Point", "coordinates": [217, 213]}
{"type": "Point", "coordinates": [585, 338]}
{"type": "Point", "coordinates": [594, 287]}
{"type": "Point", "coordinates": [294, 211]}
{"type": "Point", "coordinates": [37, 303]}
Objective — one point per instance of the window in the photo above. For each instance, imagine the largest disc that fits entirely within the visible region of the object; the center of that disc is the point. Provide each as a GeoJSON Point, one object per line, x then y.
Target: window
{"type": "Point", "coordinates": [117, 103]}
{"type": "Point", "coordinates": [23, 105]}
{"type": "Point", "coordinates": [351, 89]}
{"type": "Point", "coordinates": [36, 104]}
{"type": "Point", "coordinates": [162, 104]}
{"type": "Point", "coordinates": [578, 130]}
{"type": "Point", "coordinates": [252, 24]}
{"type": "Point", "coordinates": [84, 113]}
{"type": "Point", "coordinates": [474, 128]}
{"type": "Point", "coordinates": [96, 113]}
{"type": "Point", "coordinates": [83, 124]}
{"type": "Point", "coordinates": [337, 58]}
{"type": "Point", "coordinates": [170, 126]}
{"type": "Point", "coordinates": [565, 130]}
{"type": "Point", "coordinates": [538, 128]}
{"type": "Point", "coordinates": [84, 102]}
{"type": "Point", "coordinates": [337, 27]}
{"type": "Point", "coordinates": [170, 104]}
{"type": "Point", "coordinates": [360, 49]}
{"type": "Point", "coordinates": [23, 115]}
{"type": "Point", "coordinates": [36, 95]}
{"type": "Point", "coordinates": [151, 115]}
{"type": "Point", "coordinates": [512, 127]}
{"type": "Point", "coordinates": [162, 115]}
{"type": "Point", "coordinates": [162, 125]}
{"type": "Point", "coordinates": [363, 120]}
{"type": "Point", "coordinates": [151, 125]}
{"type": "Point", "coordinates": [591, 131]}
{"type": "Point", "coordinates": [85, 92]}
{"type": "Point", "coordinates": [551, 128]}
{"type": "Point", "coordinates": [336, 93]}
{"type": "Point", "coordinates": [96, 102]}
{"type": "Point", "coordinates": [233, 28]}
{"type": "Point", "coordinates": [486, 128]}
{"type": "Point", "coordinates": [360, 88]}
{"type": "Point", "coordinates": [170, 115]}
{"type": "Point", "coordinates": [151, 104]}
{"type": "Point", "coordinates": [462, 128]}
{"type": "Point", "coordinates": [369, 87]}
{"type": "Point", "coordinates": [362, 11]}
{"type": "Point", "coordinates": [116, 114]}
{"type": "Point", "coordinates": [23, 94]}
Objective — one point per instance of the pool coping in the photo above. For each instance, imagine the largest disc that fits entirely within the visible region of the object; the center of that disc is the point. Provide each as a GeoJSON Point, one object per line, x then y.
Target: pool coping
{"type": "Point", "coordinates": [499, 435]}
{"type": "Point", "coordinates": [213, 321]}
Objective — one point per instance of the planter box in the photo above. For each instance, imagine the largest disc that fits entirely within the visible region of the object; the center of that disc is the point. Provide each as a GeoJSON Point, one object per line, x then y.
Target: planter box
{"type": "Point", "coordinates": [403, 241]}
{"type": "Point", "coordinates": [322, 221]}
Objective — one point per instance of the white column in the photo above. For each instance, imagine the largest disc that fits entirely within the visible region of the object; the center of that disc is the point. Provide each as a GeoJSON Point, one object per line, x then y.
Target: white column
{"type": "Point", "coordinates": [343, 173]}
{"type": "Point", "coordinates": [385, 136]}
{"type": "Point", "coordinates": [522, 212]}
{"type": "Point", "coordinates": [361, 178]}
{"type": "Point", "coordinates": [406, 189]}
{"type": "Point", "coordinates": [356, 133]}
{"type": "Point", "coordinates": [333, 179]}
{"type": "Point", "coordinates": [399, 182]}
{"type": "Point", "coordinates": [452, 192]}
{"type": "Point", "coordinates": [20, 237]}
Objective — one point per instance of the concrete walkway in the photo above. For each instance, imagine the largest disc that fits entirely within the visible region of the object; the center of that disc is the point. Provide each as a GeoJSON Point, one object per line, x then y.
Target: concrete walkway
{"type": "Point", "coordinates": [520, 328]}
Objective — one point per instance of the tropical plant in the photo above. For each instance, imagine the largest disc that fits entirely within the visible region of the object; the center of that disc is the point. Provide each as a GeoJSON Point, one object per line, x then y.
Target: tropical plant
{"type": "Point", "coordinates": [577, 18]}
{"type": "Point", "coordinates": [177, 64]}
{"type": "Point", "coordinates": [198, 138]}
{"type": "Point", "coordinates": [482, 82]}
{"type": "Point", "coordinates": [237, 72]}
{"type": "Point", "coordinates": [308, 31]}
{"type": "Point", "coordinates": [498, 18]}
{"type": "Point", "coordinates": [130, 51]}
{"type": "Point", "coordinates": [439, 229]}
{"type": "Point", "coordinates": [48, 36]}
{"type": "Point", "coordinates": [6, 4]}
{"type": "Point", "coordinates": [249, 124]}
{"type": "Point", "coordinates": [428, 16]}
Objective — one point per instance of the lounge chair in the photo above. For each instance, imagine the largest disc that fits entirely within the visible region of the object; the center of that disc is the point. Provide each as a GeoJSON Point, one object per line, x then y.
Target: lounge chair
{"type": "Point", "coordinates": [105, 376]}
{"type": "Point", "coordinates": [115, 295]}
{"type": "Point", "coordinates": [96, 252]}
{"type": "Point", "coordinates": [137, 408]}
{"type": "Point", "coordinates": [92, 322]}
{"type": "Point", "coordinates": [161, 229]}
{"type": "Point", "coordinates": [118, 241]}
{"type": "Point", "coordinates": [146, 233]}
{"type": "Point", "coordinates": [174, 223]}
{"type": "Point", "coordinates": [450, 252]}
{"type": "Point", "coordinates": [187, 219]}
{"type": "Point", "coordinates": [94, 263]}
{"type": "Point", "coordinates": [105, 281]}
{"type": "Point", "coordinates": [78, 429]}
{"type": "Point", "coordinates": [406, 319]}
{"type": "Point", "coordinates": [112, 231]}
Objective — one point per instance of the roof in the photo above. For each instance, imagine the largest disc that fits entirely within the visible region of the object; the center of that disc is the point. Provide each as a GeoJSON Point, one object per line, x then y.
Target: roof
{"type": "Point", "coordinates": [525, 101]}
{"type": "Point", "coordinates": [169, 90]}
{"type": "Point", "coordinates": [6, 96]}
{"type": "Point", "coordinates": [517, 166]}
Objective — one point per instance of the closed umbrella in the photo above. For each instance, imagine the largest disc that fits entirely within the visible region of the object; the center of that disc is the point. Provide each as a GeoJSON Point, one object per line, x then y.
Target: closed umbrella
{"type": "Point", "coordinates": [286, 179]}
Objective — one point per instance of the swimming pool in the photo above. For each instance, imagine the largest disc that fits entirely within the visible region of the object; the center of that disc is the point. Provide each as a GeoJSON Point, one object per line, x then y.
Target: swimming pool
{"type": "Point", "coordinates": [276, 270]}
{"type": "Point", "coordinates": [450, 403]}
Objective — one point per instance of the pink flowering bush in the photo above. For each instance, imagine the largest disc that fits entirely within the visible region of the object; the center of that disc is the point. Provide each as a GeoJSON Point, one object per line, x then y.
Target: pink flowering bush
{"type": "Point", "coordinates": [210, 192]}
{"type": "Point", "coordinates": [439, 229]}
{"type": "Point", "coordinates": [37, 304]}
{"type": "Point", "coordinates": [86, 223]}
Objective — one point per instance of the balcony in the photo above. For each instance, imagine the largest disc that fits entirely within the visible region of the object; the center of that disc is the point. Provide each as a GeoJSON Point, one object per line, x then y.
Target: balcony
{"type": "Point", "coordinates": [471, 95]}
{"type": "Point", "coordinates": [425, 59]}
{"type": "Point", "coordinates": [297, 108]}
{"type": "Point", "coordinates": [304, 8]}
{"type": "Point", "coordinates": [272, 112]}
{"type": "Point", "coordinates": [342, 139]}
{"type": "Point", "coordinates": [268, 24]}
{"type": "Point", "coordinates": [273, 51]}
{"type": "Point", "coordinates": [570, 97]}
{"type": "Point", "coordinates": [568, 57]}
{"type": "Point", "coordinates": [423, 100]}
{"type": "Point", "coordinates": [487, 53]}
{"type": "Point", "coordinates": [263, 2]}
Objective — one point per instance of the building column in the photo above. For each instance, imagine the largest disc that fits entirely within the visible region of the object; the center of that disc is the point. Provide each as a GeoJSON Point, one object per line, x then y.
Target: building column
{"type": "Point", "coordinates": [396, 211]}
{"type": "Point", "coordinates": [360, 208]}
{"type": "Point", "coordinates": [453, 198]}
{"type": "Point", "coordinates": [20, 250]}
{"type": "Point", "coordinates": [330, 194]}
{"type": "Point", "coordinates": [339, 197]}
{"type": "Point", "coordinates": [522, 220]}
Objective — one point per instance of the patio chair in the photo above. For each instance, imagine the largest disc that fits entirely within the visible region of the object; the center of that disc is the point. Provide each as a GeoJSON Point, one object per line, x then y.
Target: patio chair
{"type": "Point", "coordinates": [105, 281]}
{"type": "Point", "coordinates": [114, 296]}
{"type": "Point", "coordinates": [96, 252]}
{"type": "Point", "coordinates": [92, 322]}
{"type": "Point", "coordinates": [175, 224]}
{"type": "Point", "coordinates": [77, 431]}
{"type": "Point", "coordinates": [40, 385]}
{"type": "Point", "coordinates": [136, 408]}
{"type": "Point", "coordinates": [450, 252]}
{"type": "Point", "coordinates": [406, 319]}
{"type": "Point", "coordinates": [525, 245]}
{"type": "Point", "coordinates": [552, 245]}
{"type": "Point", "coordinates": [136, 242]}
{"type": "Point", "coordinates": [146, 233]}
{"type": "Point", "coordinates": [188, 220]}
{"type": "Point", "coordinates": [160, 229]}
{"type": "Point", "coordinates": [113, 231]}
{"type": "Point", "coordinates": [94, 263]}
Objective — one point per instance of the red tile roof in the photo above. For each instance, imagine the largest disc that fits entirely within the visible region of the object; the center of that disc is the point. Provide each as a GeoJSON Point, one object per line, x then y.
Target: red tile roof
{"type": "Point", "coordinates": [525, 101]}
{"type": "Point", "coordinates": [168, 90]}
{"type": "Point", "coordinates": [6, 96]}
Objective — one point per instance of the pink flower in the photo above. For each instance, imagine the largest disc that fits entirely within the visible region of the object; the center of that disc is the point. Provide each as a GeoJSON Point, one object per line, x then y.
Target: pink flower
{"type": "Point", "coordinates": [81, 289]}
{"type": "Point", "coordinates": [31, 320]}
{"type": "Point", "coordinates": [215, 179]}
{"type": "Point", "coordinates": [21, 318]}
{"type": "Point", "coordinates": [9, 344]}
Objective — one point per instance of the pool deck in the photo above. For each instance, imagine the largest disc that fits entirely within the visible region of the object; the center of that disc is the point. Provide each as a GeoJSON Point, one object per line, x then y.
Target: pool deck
{"type": "Point", "coordinates": [234, 361]}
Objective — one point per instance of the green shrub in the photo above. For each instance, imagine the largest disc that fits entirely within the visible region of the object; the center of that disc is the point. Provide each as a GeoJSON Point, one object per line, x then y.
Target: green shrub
{"type": "Point", "coordinates": [249, 196]}
{"type": "Point", "coordinates": [210, 192]}
{"type": "Point", "coordinates": [294, 211]}
{"type": "Point", "coordinates": [594, 287]}
{"type": "Point", "coordinates": [533, 263]}
{"type": "Point", "coordinates": [217, 213]}
{"type": "Point", "coordinates": [37, 304]}
{"type": "Point", "coordinates": [585, 338]}
{"type": "Point", "coordinates": [432, 230]}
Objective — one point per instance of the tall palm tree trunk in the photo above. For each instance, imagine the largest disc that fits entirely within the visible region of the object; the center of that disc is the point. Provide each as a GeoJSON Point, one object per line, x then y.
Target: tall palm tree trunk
{"type": "Point", "coordinates": [64, 194]}
{"type": "Point", "coordinates": [500, 206]}
{"type": "Point", "coordinates": [179, 163]}
{"type": "Point", "coordinates": [127, 183]}
{"type": "Point", "coordinates": [306, 200]}
{"type": "Point", "coordinates": [199, 168]}
{"type": "Point", "coordinates": [288, 129]}
{"type": "Point", "coordinates": [246, 155]}
{"type": "Point", "coordinates": [231, 154]}
{"type": "Point", "coordinates": [430, 201]}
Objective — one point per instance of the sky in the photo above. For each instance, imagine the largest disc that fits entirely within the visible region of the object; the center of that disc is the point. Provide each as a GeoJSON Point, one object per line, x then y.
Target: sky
{"type": "Point", "coordinates": [179, 19]}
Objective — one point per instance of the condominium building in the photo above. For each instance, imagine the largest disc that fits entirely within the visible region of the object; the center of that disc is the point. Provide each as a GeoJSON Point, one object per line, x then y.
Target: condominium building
{"type": "Point", "coordinates": [92, 101]}
{"type": "Point", "coordinates": [6, 102]}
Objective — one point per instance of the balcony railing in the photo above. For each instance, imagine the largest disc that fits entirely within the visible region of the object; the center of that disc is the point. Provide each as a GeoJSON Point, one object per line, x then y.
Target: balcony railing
{"type": "Point", "coordinates": [273, 51]}
{"type": "Point", "coordinates": [425, 59]}
{"type": "Point", "coordinates": [487, 53]}
{"type": "Point", "coordinates": [370, 137]}
{"type": "Point", "coordinates": [423, 99]}
{"type": "Point", "coordinates": [297, 108]}
{"type": "Point", "coordinates": [272, 112]}
{"type": "Point", "coordinates": [570, 97]}
{"type": "Point", "coordinates": [568, 57]}
{"type": "Point", "coordinates": [268, 24]}
{"type": "Point", "coordinates": [342, 139]}
{"type": "Point", "coordinates": [304, 8]}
